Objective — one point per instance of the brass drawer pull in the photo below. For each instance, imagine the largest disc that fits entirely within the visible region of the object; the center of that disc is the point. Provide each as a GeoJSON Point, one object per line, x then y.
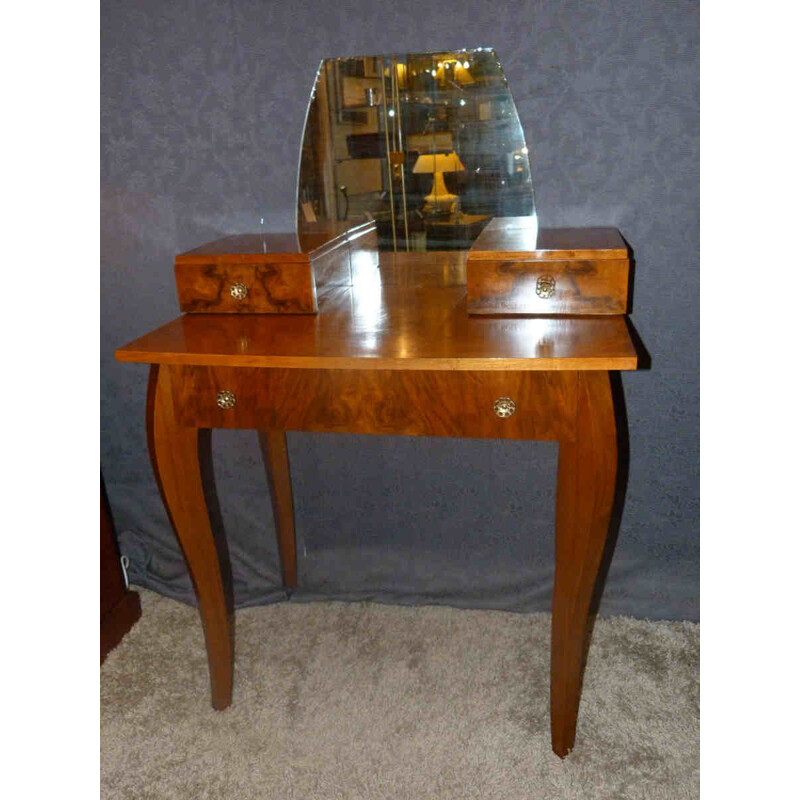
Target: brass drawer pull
{"type": "Point", "coordinates": [545, 286]}
{"type": "Point", "coordinates": [504, 407]}
{"type": "Point", "coordinates": [226, 399]}
{"type": "Point", "coordinates": [238, 291]}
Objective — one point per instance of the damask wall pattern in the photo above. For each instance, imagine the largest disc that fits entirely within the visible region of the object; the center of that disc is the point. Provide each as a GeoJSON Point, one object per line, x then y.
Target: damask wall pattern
{"type": "Point", "coordinates": [202, 111]}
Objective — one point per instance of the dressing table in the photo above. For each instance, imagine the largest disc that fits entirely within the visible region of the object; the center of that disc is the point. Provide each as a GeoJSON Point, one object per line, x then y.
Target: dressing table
{"type": "Point", "coordinates": [392, 348]}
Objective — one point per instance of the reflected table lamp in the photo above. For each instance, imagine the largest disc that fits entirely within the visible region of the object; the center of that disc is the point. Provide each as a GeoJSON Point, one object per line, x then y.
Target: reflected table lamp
{"type": "Point", "coordinates": [440, 200]}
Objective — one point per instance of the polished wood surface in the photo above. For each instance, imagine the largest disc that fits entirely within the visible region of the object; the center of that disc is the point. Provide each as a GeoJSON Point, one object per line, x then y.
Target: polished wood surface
{"type": "Point", "coordinates": [282, 272]}
{"type": "Point", "coordinates": [388, 320]}
{"type": "Point", "coordinates": [421, 335]}
{"type": "Point", "coordinates": [271, 288]}
{"type": "Point", "coordinates": [587, 468]}
{"type": "Point", "coordinates": [175, 453]}
{"type": "Point", "coordinates": [418, 270]}
{"type": "Point", "coordinates": [515, 237]}
{"type": "Point", "coordinates": [587, 269]}
{"type": "Point", "coordinates": [419, 403]}
{"type": "Point", "coordinates": [581, 287]}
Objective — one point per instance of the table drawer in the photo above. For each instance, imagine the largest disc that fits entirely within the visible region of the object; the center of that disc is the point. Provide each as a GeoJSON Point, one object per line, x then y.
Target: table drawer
{"type": "Point", "coordinates": [547, 287]}
{"type": "Point", "coordinates": [512, 405]}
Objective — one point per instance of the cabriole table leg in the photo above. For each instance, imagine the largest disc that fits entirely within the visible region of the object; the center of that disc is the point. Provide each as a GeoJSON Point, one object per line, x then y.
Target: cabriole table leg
{"type": "Point", "coordinates": [175, 452]}
{"type": "Point", "coordinates": [276, 462]}
{"type": "Point", "coordinates": [587, 468]}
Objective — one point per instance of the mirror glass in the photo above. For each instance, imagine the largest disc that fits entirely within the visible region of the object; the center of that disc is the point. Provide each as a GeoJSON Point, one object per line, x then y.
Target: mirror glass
{"type": "Point", "coordinates": [428, 145]}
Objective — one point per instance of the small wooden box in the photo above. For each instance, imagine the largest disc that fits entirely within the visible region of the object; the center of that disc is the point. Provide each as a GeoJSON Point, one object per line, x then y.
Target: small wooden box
{"type": "Point", "coordinates": [514, 267]}
{"type": "Point", "coordinates": [277, 273]}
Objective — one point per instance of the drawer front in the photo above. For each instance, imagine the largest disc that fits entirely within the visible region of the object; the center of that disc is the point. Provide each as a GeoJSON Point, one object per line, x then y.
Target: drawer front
{"type": "Point", "coordinates": [547, 287]}
{"type": "Point", "coordinates": [499, 405]}
{"type": "Point", "coordinates": [236, 288]}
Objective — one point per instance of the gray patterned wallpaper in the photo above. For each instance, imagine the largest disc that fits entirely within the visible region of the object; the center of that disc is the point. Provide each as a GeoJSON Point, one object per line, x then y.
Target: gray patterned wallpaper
{"type": "Point", "coordinates": [203, 104]}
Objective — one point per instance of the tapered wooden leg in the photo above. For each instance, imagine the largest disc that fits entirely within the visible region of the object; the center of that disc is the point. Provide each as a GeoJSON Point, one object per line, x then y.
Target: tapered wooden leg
{"type": "Point", "coordinates": [587, 469]}
{"type": "Point", "coordinates": [276, 462]}
{"type": "Point", "coordinates": [175, 452]}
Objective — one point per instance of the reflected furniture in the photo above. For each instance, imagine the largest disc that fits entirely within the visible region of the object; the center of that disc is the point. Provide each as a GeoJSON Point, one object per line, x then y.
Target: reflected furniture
{"type": "Point", "coordinates": [406, 139]}
{"type": "Point", "coordinates": [450, 232]}
{"type": "Point", "coordinates": [440, 200]}
{"type": "Point", "coordinates": [394, 353]}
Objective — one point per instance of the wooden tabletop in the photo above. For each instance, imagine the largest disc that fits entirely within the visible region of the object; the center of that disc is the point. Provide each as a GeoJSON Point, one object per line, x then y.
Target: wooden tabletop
{"type": "Point", "coordinates": [408, 314]}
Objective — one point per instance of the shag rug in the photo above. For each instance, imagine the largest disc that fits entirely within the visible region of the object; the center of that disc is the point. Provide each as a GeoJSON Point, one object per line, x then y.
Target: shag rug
{"type": "Point", "coordinates": [360, 701]}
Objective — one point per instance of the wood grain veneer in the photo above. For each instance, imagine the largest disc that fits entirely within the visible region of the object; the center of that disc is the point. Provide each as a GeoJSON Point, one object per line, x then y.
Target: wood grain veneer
{"type": "Point", "coordinates": [175, 452]}
{"type": "Point", "coordinates": [587, 470]}
{"type": "Point", "coordinates": [281, 272]}
{"type": "Point", "coordinates": [512, 260]}
{"type": "Point", "coordinates": [399, 316]}
{"type": "Point", "coordinates": [419, 403]}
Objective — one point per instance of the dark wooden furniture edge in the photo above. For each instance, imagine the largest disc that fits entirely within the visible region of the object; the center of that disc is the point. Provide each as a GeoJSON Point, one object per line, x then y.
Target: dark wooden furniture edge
{"type": "Point", "coordinates": [120, 608]}
{"type": "Point", "coordinates": [117, 622]}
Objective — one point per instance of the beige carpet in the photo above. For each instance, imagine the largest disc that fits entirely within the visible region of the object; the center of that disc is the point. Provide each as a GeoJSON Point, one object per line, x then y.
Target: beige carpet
{"type": "Point", "coordinates": [363, 701]}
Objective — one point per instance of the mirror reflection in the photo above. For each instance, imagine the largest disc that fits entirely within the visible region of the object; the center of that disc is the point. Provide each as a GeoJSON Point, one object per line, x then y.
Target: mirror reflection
{"type": "Point", "coordinates": [428, 145]}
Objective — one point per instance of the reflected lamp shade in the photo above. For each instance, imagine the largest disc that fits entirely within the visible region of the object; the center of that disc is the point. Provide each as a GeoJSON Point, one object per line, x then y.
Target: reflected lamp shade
{"type": "Point", "coordinates": [440, 200]}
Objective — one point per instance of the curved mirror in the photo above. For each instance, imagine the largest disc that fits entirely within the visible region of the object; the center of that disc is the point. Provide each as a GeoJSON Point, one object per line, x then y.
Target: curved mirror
{"type": "Point", "coordinates": [428, 145]}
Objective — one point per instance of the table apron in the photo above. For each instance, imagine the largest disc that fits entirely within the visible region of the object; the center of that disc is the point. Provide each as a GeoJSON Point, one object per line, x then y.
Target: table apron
{"type": "Point", "coordinates": [406, 402]}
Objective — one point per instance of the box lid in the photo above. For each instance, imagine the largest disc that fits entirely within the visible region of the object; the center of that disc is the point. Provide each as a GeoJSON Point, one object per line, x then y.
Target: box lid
{"type": "Point", "coordinates": [520, 238]}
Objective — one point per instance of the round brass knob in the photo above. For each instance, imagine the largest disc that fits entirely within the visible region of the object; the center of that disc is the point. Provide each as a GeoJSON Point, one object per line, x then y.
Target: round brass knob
{"type": "Point", "coordinates": [504, 407]}
{"type": "Point", "coordinates": [226, 399]}
{"type": "Point", "coordinates": [545, 286]}
{"type": "Point", "coordinates": [238, 291]}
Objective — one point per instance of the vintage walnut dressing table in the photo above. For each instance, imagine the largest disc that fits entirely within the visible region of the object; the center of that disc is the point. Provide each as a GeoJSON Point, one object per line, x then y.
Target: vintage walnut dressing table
{"type": "Point", "coordinates": [511, 337]}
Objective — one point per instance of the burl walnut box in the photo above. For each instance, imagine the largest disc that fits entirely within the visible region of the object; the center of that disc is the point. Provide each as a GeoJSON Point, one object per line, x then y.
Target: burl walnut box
{"type": "Point", "coordinates": [271, 273]}
{"type": "Point", "coordinates": [514, 267]}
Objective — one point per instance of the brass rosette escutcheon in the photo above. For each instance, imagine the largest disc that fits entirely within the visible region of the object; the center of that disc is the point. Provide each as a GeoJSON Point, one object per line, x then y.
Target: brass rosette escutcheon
{"type": "Point", "coordinates": [545, 286]}
{"type": "Point", "coordinates": [226, 399]}
{"type": "Point", "coordinates": [504, 407]}
{"type": "Point", "coordinates": [238, 291]}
